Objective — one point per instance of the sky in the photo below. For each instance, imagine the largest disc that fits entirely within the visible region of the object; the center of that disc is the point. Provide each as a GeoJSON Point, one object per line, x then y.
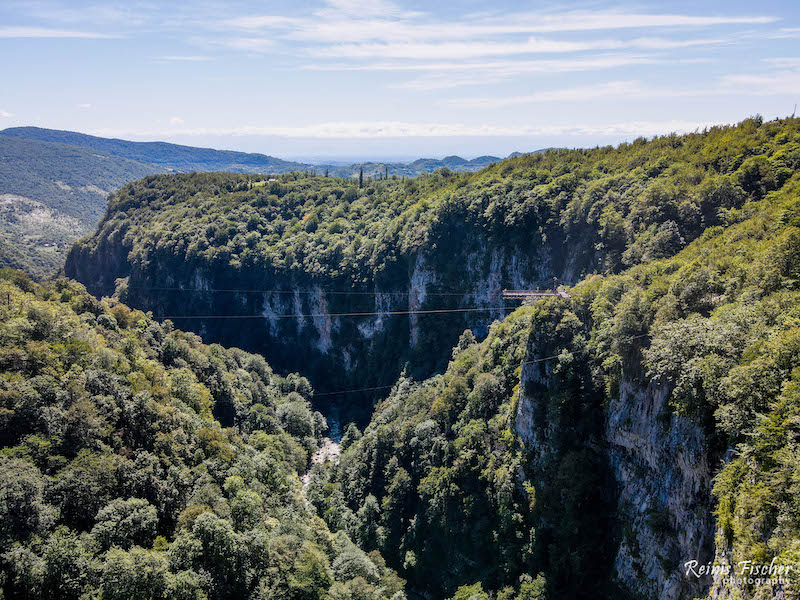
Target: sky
{"type": "Point", "coordinates": [392, 79]}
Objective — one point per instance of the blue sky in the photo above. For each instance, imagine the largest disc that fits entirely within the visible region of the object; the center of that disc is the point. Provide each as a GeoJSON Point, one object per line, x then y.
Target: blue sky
{"type": "Point", "coordinates": [383, 78]}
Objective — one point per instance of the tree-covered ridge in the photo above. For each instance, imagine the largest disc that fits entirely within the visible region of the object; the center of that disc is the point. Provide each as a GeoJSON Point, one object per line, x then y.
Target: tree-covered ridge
{"type": "Point", "coordinates": [162, 155]}
{"type": "Point", "coordinates": [612, 207]}
{"type": "Point", "coordinates": [54, 184]}
{"type": "Point", "coordinates": [322, 226]}
{"type": "Point", "coordinates": [138, 462]}
{"type": "Point", "coordinates": [439, 466]}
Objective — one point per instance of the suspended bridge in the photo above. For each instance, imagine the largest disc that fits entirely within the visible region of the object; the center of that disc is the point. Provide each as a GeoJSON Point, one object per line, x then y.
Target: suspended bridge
{"type": "Point", "coordinates": [531, 295]}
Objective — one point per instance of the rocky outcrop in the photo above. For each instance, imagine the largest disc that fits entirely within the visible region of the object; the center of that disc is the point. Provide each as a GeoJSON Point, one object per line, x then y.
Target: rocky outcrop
{"type": "Point", "coordinates": [305, 323]}
{"type": "Point", "coordinates": [660, 461]}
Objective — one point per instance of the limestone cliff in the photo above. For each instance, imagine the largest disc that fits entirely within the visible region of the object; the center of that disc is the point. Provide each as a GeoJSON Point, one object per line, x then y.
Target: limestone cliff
{"type": "Point", "coordinates": [409, 318]}
{"type": "Point", "coordinates": [662, 514]}
{"type": "Point", "coordinates": [661, 464]}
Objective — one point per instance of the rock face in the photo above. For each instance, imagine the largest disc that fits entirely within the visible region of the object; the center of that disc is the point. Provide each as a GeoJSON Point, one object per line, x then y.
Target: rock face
{"type": "Point", "coordinates": [660, 465]}
{"type": "Point", "coordinates": [301, 323]}
{"type": "Point", "coordinates": [660, 461]}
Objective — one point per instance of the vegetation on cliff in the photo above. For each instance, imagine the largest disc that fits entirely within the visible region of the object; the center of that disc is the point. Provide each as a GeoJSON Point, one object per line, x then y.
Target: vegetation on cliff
{"type": "Point", "coordinates": [210, 244]}
{"type": "Point", "coordinates": [620, 206]}
{"type": "Point", "coordinates": [440, 465]}
{"type": "Point", "coordinates": [448, 482]}
{"type": "Point", "coordinates": [138, 462]}
{"type": "Point", "coordinates": [696, 240]}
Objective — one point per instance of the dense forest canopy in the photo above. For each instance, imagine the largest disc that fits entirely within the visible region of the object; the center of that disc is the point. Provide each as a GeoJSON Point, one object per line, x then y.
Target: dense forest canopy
{"type": "Point", "coordinates": [146, 463]}
{"type": "Point", "coordinates": [636, 202]}
{"type": "Point", "coordinates": [440, 463]}
{"type": "Point", "coordinates": [440, 241]}
{"type": "Point", "coordinates": [139, 462]}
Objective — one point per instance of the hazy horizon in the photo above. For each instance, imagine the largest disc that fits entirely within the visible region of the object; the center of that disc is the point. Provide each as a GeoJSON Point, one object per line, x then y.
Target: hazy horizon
{"type": "Point", "coordinates": [291, 149]}
{"type": "Point", "coordinates": [253, 144]}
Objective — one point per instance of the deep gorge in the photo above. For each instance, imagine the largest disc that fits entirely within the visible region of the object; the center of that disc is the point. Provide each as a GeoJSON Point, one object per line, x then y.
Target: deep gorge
{"type": "Point", "coordinates": [592, 440]}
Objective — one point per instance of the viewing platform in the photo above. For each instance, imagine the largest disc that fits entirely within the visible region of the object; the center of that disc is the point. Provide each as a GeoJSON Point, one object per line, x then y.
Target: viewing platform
{"type": "Point", "coordinates": [531, 295]}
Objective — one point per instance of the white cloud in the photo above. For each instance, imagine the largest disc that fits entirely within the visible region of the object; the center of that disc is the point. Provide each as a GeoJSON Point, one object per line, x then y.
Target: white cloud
{"type": "Point", "coordinates": [764, 84]}
{"type": "Point", "coordinates": [5, 114]}
{"type": "Point", "coordinates": [612, 89]}
{"type": "Point", "coordinates": [85, 106]}
{"type": "Point", "coordinates": [366, 8]}
{"type": "Point", "coordinates": [399, 129]}
{"type": "Point", "coordinates": [484, 48]}
{"type": "Point", "coordinates": [462, 50]}
{"type": "Point", "coordinates": [666, 44]}
{"type": "Point", "coordinates": [786, 33]}
{"type": "Point", "coordinates": [444, 75]}
{"type": "Point", "coordinates": [176, 121]}
{"type": "Point", "coordinates": [197, 58]}
{"type": "Point", "coordinates": [513, 67]}
{"type": "Point", "coordinates": [390, 24]}
{"type": "Point", "coordinates": [335, 11]}
{"type": "Point", "coordinates": [588, 21]}
{"type": "Point", "coordinates": [250, 44]}
{"type": "Point", "coordinates": [381, 36]}
{"type": "Point", "coordinates": [263, 22]}
{"type": "Point", "coordinates": [761, 84]}
{"type": "Point", "coordinates": [476, 49]}
{"type": "Point", "coordinates": [46, 32]}
{"type": "Point", "coordinates": [785, 61]}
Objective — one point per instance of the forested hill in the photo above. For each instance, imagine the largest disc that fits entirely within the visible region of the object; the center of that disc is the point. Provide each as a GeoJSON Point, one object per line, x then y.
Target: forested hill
{"type": "Point", "coordinates": [51, 194]}
{"type": "Point", "coordinates": [138, 462]}
{"type": "Point", "coordinates": [54, 186]}
{"type": "Point", "coordinates": [583, 447]}
{"type": "Point", "coordinates": [297, 256]}
{"type": "Point", "coordinates": [169, 157]}
{"type": "Point", "coordinates": [592, 446]}
{"type": "Point", "coordinates": [414, 168]}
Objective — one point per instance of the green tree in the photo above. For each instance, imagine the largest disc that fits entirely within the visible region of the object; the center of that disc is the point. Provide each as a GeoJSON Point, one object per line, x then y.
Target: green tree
{"type": "Point", "coordinates": [124, 523]}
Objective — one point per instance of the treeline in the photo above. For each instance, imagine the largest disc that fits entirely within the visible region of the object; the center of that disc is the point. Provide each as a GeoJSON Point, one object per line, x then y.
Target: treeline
{"type": "Point", "coordinates": [613, 207]}
{"type": "Point", "coordinates": [138, 462]}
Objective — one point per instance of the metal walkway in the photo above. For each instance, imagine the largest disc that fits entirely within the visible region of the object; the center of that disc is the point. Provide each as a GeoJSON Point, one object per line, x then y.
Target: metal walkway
{"type": "Point", "coordinates": [533, 294]}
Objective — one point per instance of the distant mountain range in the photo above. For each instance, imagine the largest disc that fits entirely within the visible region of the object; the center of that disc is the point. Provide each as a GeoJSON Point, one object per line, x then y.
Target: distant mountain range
{"type": "Point", "coordinates": [164, 156]}
{"type": "Point", "coordinates": [54, 184]}
{"type": "Point", "coordinates": [419, 166]}
{"type": "Point", "coordinates": [185, 159]}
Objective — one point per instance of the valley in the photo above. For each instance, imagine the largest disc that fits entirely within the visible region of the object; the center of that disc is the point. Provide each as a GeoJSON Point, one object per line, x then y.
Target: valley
{"type": "Point", "coordinates": [352, 283]}
{"type": "Point", "coordinates": [399, 300]}
{"type": "Point", "coordinates": [432, 440]}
